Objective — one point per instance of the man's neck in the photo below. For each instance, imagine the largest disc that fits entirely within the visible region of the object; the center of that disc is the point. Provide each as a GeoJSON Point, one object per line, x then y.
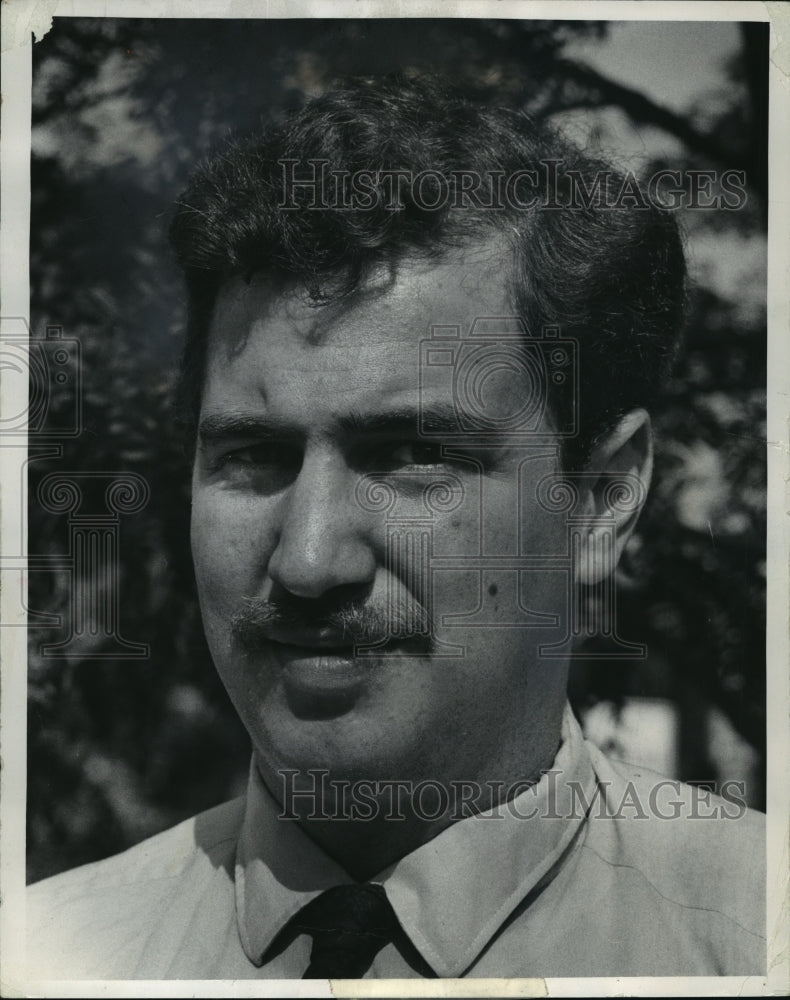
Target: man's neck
{"type": "Point", "coordinates": [366, 829]}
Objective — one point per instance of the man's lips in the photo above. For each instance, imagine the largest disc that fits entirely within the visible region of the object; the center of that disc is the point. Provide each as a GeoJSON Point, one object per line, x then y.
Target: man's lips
{"type": "Point", "coordinates": [328, 643]}
{"type": "Point", "coordinates": [325, 657]}
{"type": "Point", "coordinates": [311, 638]}
{"type": "Point", "coordinates": [318, 669]}
{"type": "Point", "coordinates": [321, 663]}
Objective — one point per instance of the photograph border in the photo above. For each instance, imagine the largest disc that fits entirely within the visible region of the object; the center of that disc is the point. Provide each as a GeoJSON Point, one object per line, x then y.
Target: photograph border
{"type": "Point", "coordinates": [20, 18]}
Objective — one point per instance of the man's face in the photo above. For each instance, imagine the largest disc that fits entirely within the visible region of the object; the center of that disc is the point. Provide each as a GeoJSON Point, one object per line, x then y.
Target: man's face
{"type": "Point", "coordinates": [306, 412]}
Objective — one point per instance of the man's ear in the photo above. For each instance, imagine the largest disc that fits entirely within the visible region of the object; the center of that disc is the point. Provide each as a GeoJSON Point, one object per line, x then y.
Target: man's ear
{"type": "Point", "coordinates": [616, 484]}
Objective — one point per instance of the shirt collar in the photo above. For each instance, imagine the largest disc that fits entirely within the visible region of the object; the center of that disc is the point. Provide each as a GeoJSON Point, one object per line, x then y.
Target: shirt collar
{"type": "Point", "coordinates": [494, 858]}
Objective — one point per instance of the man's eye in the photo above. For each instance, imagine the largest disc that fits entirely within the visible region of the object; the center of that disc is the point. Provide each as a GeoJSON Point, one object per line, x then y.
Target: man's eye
{"type": "Point", "coordinates": [258, 457]}
{"type": "Point", "coordinates": [415, 453]}
{"type": "Point", "coordinates": [248, 456]}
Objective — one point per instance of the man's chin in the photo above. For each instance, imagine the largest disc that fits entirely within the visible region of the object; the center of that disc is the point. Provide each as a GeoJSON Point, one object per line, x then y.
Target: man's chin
{"type": "Point", "coordinates": [347, 718]}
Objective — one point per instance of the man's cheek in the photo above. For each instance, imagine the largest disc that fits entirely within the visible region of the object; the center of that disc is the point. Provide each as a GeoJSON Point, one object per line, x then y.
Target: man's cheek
{"type": "Point", "coordinates": [230, 535]}
{"type": "Point", "coordinates": [208, 535]}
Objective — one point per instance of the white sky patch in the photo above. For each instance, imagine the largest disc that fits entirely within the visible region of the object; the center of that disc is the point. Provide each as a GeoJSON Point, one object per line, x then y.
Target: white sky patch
{"type": "Point", "coordinates": [733, 265]}
{"type": "Point", "coordinates": [673, 61]}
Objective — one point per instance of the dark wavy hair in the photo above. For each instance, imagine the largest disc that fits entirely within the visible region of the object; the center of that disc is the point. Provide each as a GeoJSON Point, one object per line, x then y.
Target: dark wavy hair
{"type": "Point", "coordinates": [610, 275]}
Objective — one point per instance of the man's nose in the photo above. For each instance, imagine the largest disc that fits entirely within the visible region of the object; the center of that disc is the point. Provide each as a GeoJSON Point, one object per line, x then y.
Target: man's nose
{"type": "Point", "coordinates": [322, 541]}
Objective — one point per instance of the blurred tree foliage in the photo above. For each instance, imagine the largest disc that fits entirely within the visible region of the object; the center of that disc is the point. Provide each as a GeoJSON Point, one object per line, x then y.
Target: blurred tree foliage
{"type": "Point", "coordinates": [122, 109]}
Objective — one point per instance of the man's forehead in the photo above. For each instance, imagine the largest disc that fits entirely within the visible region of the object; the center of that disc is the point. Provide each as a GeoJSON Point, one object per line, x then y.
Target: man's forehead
{"type": "Point", "coordinates": [394, 302]}
{"type": "Point", "coordinates": [374, 365]}
{"type": "Point", "coordinates": [342, 366]}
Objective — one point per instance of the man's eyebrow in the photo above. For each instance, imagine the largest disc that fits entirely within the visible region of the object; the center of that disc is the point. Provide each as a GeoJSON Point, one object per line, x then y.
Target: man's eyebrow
{"type": "Point", "coordinates": [221, 426]}
{"type": "Point", "coordinates": [438, 418]}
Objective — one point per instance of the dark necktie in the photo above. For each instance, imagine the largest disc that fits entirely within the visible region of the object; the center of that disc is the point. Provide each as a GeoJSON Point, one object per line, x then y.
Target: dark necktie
{"type": "Point", "coordinates": [349, 924]}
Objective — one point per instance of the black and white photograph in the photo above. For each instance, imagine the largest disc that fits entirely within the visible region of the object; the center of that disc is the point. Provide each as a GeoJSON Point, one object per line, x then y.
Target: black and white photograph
{"type": "Point", "coordinates": [394, 527]}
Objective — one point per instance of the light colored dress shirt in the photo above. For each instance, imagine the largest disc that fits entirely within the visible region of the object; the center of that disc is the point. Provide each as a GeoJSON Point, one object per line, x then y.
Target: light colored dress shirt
{"type": "Point", "coordinates": [584, 874]}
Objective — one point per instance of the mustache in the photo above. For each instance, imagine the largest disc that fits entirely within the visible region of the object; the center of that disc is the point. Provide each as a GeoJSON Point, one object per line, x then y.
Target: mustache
{"type": "Point", "coordinates": [354, 622]}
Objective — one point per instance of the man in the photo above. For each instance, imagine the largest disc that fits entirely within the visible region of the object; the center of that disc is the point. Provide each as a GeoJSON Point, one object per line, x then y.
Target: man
{"type": "Point", "coordinates": [423, 341]}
